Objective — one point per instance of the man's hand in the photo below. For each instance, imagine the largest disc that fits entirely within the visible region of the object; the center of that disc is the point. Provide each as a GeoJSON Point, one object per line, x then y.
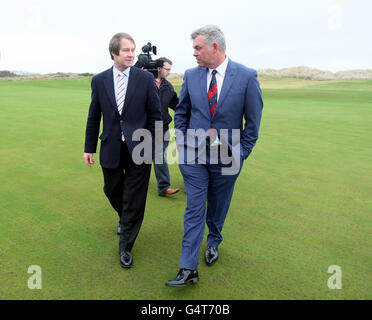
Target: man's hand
{"type": "Point", "coordinates": [88, 157]}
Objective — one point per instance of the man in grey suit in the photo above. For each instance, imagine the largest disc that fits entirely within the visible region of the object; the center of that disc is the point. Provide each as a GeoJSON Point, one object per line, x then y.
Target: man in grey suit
{"type": "Point", "coordinates": [215, 98]}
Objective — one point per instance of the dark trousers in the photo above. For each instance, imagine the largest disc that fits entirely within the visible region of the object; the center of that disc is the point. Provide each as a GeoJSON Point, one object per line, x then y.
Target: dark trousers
{"type": "Point", "coordinates": [162, 171]}
{"type": "Point", "coordinates": [126, 189]}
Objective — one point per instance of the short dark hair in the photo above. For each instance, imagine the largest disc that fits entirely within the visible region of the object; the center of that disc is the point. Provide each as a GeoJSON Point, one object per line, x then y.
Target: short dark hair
{"type": "Point", "coordinates": [114, 45]}
{"type": "Point", "coordinates": [164, 59]}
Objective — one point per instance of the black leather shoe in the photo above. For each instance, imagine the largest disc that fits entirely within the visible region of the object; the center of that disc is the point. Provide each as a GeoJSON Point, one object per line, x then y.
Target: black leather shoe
{"type": "Point", "coordinates": [183, 277]}
{"type": "Point", "coordinates": [211, 255]}
{"type": "Point", "coordinates": [118, 231]}
{"type": "Point", "coordinates": [126, 259]}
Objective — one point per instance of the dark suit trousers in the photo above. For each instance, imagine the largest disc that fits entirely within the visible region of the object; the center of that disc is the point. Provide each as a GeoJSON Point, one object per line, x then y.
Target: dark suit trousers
{"type": "Point", "coordinates": [126, 189]}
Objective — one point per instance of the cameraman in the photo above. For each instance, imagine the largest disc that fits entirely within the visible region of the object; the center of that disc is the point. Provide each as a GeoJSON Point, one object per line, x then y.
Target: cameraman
{"type": "Point", "coordinates": [168, 99]}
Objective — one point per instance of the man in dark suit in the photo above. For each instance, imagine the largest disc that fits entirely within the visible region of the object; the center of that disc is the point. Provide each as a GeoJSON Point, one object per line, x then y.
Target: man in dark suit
{"type": "Point", "coordinates": [127, 99]}
{"type": "Point", "coordinates": [215, 98]}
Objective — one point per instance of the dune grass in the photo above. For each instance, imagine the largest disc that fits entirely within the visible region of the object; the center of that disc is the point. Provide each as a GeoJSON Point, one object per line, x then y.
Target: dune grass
{"type": "Point", "coordinates": [301, 204]}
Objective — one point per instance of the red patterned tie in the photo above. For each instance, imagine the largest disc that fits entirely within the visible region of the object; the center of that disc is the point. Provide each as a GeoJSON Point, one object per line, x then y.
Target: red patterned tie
{"type": "Point", "coordinates": [212, 93]}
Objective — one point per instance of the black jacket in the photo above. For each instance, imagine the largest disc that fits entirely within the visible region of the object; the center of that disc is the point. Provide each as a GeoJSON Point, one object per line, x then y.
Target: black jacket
{"type": "Point", "coordinates": [168, 99]}
{"type": "Point", "coordinates": [141, 110]}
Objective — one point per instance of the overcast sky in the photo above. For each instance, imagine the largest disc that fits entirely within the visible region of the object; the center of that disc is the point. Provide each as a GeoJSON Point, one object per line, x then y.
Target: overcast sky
{"type": "Point", "coordinates": [72, 35]}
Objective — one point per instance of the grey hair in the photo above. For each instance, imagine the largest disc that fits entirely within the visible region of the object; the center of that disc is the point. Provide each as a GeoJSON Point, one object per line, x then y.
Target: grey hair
{"type": "Point", "coordinates": [211, 34]}
{"type": "Point", "coordinates": [114, 45]}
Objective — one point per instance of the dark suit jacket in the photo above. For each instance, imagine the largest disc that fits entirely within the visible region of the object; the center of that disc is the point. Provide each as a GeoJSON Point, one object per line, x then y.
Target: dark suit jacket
{"type": "Point", "coordinates": [141, 110]}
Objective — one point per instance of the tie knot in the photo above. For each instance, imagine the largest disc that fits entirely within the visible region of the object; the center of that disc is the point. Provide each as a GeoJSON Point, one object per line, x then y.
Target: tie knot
{"type": "Point", "coordinates": [120, 75]}
{"type": "Point", "coordinates": [214, 72]}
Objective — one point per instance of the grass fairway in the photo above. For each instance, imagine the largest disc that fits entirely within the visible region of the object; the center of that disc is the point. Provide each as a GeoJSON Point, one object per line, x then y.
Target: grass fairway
{"type": "Point", "coordinates": [301, 204]}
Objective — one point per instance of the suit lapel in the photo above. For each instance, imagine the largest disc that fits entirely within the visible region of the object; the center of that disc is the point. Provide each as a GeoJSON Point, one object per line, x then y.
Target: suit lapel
{"type": "Point", "coordinates": [132, 83]}
{"type": "Point", "coordinates": [227, 84]}
{"type": "Point", "coordinates": [109, 86]}
{"type": "Point", "coordinates": [204, 91]}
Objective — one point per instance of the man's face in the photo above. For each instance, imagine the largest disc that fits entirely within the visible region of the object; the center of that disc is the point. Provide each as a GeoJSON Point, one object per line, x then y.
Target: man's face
{"type": "Point", "coordinates": [203, 53]}
{"type": "Point", "coordinates": [126, 54]}
{"type": "Point", "coordinates": [164, 71]}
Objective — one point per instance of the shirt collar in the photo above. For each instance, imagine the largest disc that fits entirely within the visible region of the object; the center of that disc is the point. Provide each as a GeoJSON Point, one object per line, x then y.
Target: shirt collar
{"type": "Point", "coordinates": [221, 69]}
{"type": "Point", "coordinates": [117, 72]}
{"type": "Point", "coordinates": [158, 82]}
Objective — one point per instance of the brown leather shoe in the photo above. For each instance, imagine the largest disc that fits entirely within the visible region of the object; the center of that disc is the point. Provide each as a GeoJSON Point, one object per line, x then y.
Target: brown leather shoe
{"type": "Point", "coordinates": [169, 192]}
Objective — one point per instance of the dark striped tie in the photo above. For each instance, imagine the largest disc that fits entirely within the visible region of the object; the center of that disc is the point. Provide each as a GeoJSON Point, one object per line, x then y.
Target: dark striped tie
{"type": "Point", "coordinates": [212, 93]}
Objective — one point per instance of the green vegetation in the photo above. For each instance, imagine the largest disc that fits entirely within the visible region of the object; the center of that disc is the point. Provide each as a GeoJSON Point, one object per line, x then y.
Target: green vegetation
{"type": "Point", "coordinates": [302, 202]}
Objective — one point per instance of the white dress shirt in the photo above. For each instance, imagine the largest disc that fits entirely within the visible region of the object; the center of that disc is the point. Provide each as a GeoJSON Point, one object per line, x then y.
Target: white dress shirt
{"type": "Point", "coordinates": [220, 76]}
{"type": "Point", "coordinates": [115, 73]}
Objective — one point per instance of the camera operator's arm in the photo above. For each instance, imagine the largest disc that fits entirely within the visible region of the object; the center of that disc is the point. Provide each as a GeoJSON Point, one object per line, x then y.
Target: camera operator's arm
{"type": "Point", "coordinates": [174, 101]}
{"type": "Point", "coordinates": [153, 104]}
